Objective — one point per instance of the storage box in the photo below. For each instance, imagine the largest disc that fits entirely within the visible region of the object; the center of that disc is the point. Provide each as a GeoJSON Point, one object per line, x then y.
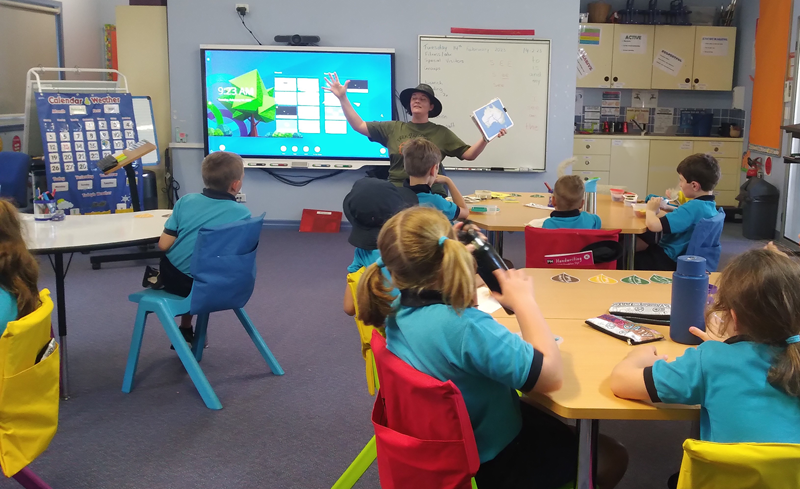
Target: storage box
{"type": "Point", "coordinates": [319, 221]}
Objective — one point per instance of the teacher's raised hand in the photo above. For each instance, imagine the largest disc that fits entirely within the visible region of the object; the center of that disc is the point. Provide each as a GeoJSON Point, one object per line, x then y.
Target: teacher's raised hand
{"type": "Point", "coordinates": [333, 85]}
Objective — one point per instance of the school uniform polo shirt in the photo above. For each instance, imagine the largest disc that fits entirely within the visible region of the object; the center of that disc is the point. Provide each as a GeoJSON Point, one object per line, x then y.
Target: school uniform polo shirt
{"type": "Point", "coordinates": [363, 258]}
{"type": "Point", "coordinates": [436, 201]}
{"type": "Point", "coordinates": [574, 219]}
{"type": "Point", "coordinates": [729, 381]}
{"type": "Point", "coordinates": [193, 212]}
{"type": "Point", "coordinates": [679, 224]}
{"type": "Point", "coordinates": [8, 309]}
{"type": "Point", "coordinates": [482, 358]}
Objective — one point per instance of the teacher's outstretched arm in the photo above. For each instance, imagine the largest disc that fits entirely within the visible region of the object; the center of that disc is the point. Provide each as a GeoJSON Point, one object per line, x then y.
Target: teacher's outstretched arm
{"type": "Point", "coordinates": [477, 148]}
{"type": "Point", "coordinates": [340, 91]}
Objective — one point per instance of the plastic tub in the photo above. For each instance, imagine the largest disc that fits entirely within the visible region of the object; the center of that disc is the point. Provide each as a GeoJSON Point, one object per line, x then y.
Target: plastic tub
{"type": "Point", "coordinates": [617, 194]}
{"type": "Point", "coordinates": [484, 209]}
{"type": "Point", "coordinates": [630, 198]}
{"type": "Point", "coordinates": [639, 210]}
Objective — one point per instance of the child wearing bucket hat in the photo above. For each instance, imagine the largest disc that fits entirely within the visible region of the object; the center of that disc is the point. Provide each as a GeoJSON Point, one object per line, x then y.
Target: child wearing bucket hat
{"type": "Point", "coordinates": [370, 203]}
{"type": "Point", "coordinates": [421, 104]}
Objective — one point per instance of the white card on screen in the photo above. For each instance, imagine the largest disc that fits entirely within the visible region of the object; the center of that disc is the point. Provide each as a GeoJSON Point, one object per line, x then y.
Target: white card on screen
{"type": "Point", "coordinates": [491, 119]}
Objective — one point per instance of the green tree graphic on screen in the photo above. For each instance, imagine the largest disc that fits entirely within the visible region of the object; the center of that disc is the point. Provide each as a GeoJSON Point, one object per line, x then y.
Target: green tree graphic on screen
{"type": "Point", "coordinates": [249, 99]}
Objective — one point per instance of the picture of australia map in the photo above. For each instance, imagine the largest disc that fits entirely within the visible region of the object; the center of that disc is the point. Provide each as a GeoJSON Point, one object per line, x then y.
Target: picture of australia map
{"type": "Point", "coordinates": [491, 118]}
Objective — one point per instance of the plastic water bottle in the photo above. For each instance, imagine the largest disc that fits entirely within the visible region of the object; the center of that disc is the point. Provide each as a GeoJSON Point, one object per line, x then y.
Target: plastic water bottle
{"type": "Point", "coordinates": [689, 296]}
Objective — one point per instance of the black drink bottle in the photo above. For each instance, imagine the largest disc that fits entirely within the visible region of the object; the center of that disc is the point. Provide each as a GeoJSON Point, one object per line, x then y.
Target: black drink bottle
{"type": "Point", "coordinates": [487, 258]}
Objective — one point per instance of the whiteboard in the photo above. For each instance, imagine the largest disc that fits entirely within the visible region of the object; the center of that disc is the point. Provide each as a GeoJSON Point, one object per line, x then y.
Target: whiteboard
{"type": "Point", "coordinates": [468, 72]}
{"type": "Point", "coordinates": [146, 127]}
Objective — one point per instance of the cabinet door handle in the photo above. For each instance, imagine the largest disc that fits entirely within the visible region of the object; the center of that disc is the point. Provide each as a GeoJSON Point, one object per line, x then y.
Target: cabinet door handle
{"type": "Point", "coordinates": [605, 79]}
{"type": "Point", "coordinates": [616, 79]}
{"type": "Point", "coordinates": [716, 150]}
{"type": "Point", "coordinates": [688, 80]}
{"type": "Point", "coordinates": [697, 80]}
{"type": "Point", "coordinates": [587, 162]}
{"type": "Point", "coordinates": [588, 146]}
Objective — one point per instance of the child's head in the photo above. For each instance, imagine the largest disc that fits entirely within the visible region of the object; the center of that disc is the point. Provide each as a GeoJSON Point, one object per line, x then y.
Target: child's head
{"type": "Point", "coordinates": [569, 193]}
{"type": "Point", "coordinates": [699, 174]}
{"type": "Point", "coordinates": [414, 251]}
{"type": "Point", "coordinates": [19, 270]}
{"type": "Point", "coordinates": [223, 171]}
{"type": "Point", "coordinates": [421, 157]}
{"type": "Point", "coordinates": [759, 296]}
{"type": "Point", "coordinates": [368, 206]}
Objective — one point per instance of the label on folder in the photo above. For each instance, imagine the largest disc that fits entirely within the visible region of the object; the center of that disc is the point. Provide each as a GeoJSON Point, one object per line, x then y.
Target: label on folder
{"type": "Point", "coordinates": [491, 119]}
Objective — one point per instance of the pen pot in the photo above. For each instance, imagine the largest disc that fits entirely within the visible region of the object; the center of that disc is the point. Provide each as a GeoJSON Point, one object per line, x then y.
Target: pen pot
{"type": "Point", "coordinates": [43, 210]}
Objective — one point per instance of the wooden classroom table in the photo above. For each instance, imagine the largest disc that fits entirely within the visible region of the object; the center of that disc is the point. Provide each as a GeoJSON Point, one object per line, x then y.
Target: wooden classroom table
{"type": "Point", "coordinates": [584, 299]}
{"type": "Point", "coordinates": [513, 216]}
{"type": "Point", "coordinates": [589, 355]}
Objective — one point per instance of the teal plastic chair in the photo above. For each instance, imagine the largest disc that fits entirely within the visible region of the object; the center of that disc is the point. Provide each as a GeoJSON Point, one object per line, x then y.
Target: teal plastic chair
{"type": "Point", "coordinates": [224, 270]}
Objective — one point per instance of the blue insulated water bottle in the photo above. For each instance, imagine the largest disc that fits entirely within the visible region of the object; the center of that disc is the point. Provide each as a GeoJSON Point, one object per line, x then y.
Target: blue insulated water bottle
{"type": "Point", "coordinates": [689, 295]}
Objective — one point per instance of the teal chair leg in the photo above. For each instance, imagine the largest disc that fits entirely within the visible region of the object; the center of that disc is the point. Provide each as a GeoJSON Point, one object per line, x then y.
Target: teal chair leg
{"type": "Point", "coordinates": [200, 336]}
{"type": "Point", "coordinates": [188, 360]}
{"type": "Point", "coordinates": [258, 341]}
{"type": "Point", "coordinates": [136, 346]}
{"type": "Point", "coordinates": [358, 467]}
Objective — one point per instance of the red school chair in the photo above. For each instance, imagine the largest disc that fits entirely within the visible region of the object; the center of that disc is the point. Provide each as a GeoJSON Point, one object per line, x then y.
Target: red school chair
{"type": "Point", "coordinates": [422, 428]}
{"type": "Point", "coordinates": [565, 248]}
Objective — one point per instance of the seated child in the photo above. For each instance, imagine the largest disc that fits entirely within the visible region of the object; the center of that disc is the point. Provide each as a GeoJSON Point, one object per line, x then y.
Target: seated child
{"type": "Point", "coordinates": [698, 175]}
{"type": "Point", "coordinates": [421, 161]}
{"type": "Point", "coordinates": [568, 197]}
{"type": "Point", "coordinates": [222, 175]}
{"type": "Point", "coordinates": [19, 270]}
{"type": "Point", "coordinates": [746, 374]}
{"type": "Point", "coordinates": [433, 328]}
{"type": "Point", "coordinates": [370, 203]}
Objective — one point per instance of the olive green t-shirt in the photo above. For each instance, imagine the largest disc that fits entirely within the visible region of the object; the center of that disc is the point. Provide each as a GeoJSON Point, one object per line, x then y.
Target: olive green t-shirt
{"type": "Point", "coordinates": [392, 134]}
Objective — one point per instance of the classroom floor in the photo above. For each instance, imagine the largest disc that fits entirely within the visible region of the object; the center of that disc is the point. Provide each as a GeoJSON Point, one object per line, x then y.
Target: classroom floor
{"type": "Point", "coordinates": [297, 431]}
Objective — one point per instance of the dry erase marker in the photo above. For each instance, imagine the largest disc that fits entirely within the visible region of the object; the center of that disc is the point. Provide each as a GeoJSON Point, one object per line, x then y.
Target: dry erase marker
{"type": "Point", "coordinates": [279, 164]}
{"type": "Point", "coordinates": [343, 166]}
{"type": "Point", "coordinates": [321, 165]}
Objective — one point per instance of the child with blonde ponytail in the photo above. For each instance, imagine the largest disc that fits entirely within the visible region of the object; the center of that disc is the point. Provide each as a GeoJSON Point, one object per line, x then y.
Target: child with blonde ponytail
{"type": "Point", "coordinates": [746, 373]}
{"type": "Point", "coordinates": [433, 327]}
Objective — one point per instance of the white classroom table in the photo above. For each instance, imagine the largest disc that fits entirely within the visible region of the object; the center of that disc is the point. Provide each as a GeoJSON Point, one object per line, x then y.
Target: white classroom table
{"type": "Point", "coordinates": [87, 233]}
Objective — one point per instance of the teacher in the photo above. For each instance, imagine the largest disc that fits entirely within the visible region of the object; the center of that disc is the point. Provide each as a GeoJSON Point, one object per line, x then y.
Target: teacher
{"type": "Point", "coordinates": [422, 105]}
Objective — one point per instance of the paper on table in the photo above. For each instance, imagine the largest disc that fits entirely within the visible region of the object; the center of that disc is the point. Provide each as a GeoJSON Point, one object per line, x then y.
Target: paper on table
{"type": "Point", "coordinates": [486, 302]}
{"type": "Point", "coordinates": [559, 339]}
{"type": "Point", "coordinates": [537, 223]}
{"type": "Point", "coordinates": [540, 206]}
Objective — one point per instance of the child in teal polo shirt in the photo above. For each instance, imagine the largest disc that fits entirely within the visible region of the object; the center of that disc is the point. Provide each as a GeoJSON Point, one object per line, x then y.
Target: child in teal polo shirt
{"type": "Point", "coordinates": [223, 173]}
{"type": "Point", "coordinates": [433, 327]}
{"type": "Point", "coordinates": [699, 175]}
{"type": "Point", "coordinates": [568, 196]}
{"type": "Point", "coordinates": [746, 373]}
{"type": "Point", "coordinates": [421, 161]}
{"type": "Point", "coordinates": [368, 205]}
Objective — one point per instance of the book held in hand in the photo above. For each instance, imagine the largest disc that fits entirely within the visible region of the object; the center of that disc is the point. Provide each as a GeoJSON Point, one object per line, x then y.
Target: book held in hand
{"type": "Point", "coordinates": [491, 119]}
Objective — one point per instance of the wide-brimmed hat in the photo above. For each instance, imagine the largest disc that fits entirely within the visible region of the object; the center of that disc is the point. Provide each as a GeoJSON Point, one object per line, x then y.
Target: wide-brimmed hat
{"type": "Point", "coordinates": [368, 206]}
{"type": "Point", "coordinates": [405, 98]}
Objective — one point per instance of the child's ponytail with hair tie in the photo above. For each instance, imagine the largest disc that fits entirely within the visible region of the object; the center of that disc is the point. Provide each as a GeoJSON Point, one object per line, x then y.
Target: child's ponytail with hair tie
{"type": "Point", "coordinates": [373, 295]}
{"type": "Point", "coordinates": [793, 339]}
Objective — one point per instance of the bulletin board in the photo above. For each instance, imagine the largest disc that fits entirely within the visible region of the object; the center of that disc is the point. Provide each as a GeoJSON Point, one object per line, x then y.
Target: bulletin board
{"type": "Point", "coordinates": [772, 47]}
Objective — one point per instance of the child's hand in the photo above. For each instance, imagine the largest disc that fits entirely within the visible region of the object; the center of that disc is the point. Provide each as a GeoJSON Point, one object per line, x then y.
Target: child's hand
{"type": "Point", "coordinates": [442, 179]}
{"type": "Point", "coordinates": [516, 287]}
{"type": "Point", "coordinates": [644, 356]}
{"type": "Point", "coordinates": [772, 247]}
{"type": "Point", "coordinates": [654, 204]}
{"type": "Point", "coordinates": [707, 335]}
{"type": "Point", "coordinates": [501, 133]}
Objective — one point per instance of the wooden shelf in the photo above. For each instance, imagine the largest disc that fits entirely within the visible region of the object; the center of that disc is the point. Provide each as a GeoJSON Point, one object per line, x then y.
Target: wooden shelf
{"type": "Point", "coordinates": [793, 129]}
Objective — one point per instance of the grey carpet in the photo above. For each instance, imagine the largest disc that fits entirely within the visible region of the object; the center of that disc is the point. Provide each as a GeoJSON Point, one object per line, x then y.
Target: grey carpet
{"type": "Point", "coordinates": [297, 431]}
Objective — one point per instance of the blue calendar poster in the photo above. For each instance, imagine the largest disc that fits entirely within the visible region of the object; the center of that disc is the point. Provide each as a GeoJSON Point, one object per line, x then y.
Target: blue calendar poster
{"type": "Point", "coordinates": [78, 130]}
